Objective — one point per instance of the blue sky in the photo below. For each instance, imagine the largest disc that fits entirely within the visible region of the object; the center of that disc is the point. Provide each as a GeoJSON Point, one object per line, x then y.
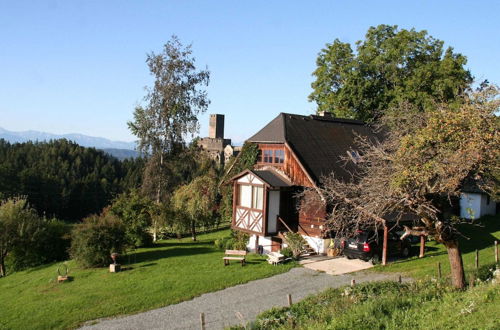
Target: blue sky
{"type": "Point", "coordinates": [79, 66]}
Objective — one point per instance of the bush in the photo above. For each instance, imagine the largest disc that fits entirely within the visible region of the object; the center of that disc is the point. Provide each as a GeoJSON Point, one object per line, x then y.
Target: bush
{"type": "Point", "coordinates": [295, 242]}
{"type": "Point", "coordinates": [135, 212]}
{"type": "Point", "coordinates": [50, 243]}
{"type": "Point", "coordinates": [287, 252]}
{"type": "Point", "coordinates": [96, 238]}
{"type": "Point", "coordinates": [235, 241]}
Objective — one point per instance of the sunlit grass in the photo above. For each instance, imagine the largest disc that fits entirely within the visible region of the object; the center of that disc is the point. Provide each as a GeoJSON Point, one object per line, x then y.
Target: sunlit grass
{"type": "Point", "coordinates": [173, 271]}
{"type": "Point", "coordinates": [479, 235]}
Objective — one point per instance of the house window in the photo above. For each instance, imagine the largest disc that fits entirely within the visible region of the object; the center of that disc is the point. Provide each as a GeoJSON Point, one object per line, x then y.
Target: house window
{"type": "Point", "coordinates": [279, 156]}
{"type": "Point", "coordinates": [268, 156]}
{"type": "Point", "coordinates": [272, 156]}
{"type": "Point", "coordinates": [251, 196]}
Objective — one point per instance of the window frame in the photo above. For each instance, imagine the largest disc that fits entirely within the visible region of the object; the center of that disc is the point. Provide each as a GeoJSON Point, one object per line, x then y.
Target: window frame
{"type": "Point", "coordinates": [272, 155]}
{"type": "Point", "coordinates": [252, 195]}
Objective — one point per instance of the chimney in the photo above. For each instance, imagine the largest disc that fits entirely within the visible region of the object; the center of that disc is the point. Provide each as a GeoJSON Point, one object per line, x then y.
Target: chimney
{"type": "Point", "coordinates": [325, 114]}
{"type": "Point", "coordinates": [216, 126]}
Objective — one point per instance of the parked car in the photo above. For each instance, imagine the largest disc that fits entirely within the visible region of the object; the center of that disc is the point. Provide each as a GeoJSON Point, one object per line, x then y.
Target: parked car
{"type": "Point", "coordinates": [367, 245]}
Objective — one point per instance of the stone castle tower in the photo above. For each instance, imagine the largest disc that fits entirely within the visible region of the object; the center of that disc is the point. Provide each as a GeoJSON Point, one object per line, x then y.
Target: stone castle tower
{"type": "Point", "coordinates": [215, 144]}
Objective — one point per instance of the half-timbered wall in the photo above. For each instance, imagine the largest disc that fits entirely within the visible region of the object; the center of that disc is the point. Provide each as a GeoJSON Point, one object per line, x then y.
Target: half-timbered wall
{"type": "Point", "coordinates": [249, 204]}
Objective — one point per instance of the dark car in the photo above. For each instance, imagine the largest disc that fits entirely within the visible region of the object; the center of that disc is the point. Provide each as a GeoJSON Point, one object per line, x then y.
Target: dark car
{"type": "Point", "coordinates": [367, 245]}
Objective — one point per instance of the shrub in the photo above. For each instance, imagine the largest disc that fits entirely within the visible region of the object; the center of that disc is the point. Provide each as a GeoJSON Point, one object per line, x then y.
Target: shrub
{"type": "Point", "coordinates": [135, 212]}
{"type": "Point", "coordinates": [50, 243]}
{"type": "Point", "coordinates": [96, 238]}
{"type": "Point", "coordinates": [287, 252]}
{"type": "Point", "coordinates": [235, 241]}
{"type": "Point", "coordinates": [295, 242]}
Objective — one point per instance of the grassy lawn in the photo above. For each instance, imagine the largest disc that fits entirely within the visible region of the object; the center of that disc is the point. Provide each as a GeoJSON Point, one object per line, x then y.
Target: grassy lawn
{"type": "Point", "coordinates": [170, 272]}
{"type": "Point", "coordinates": [390, 305]}
{"type": "Point", "coordinates": [481, 236]}
{"type": "Point", "coordinates": [422, 304]}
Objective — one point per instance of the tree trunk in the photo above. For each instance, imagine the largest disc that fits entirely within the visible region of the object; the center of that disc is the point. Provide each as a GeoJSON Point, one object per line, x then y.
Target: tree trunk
{"type": "Point", "coordinates": [2, 268]}
{"type": "Point", "coordinates": [456, 264]}
{"type": "Point", "coordinates": [193, 230]}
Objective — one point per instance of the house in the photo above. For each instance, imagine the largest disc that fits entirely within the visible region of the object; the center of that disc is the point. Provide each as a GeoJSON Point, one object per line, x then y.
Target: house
{"type": "Point", "coordinates": [475, 202]}
{"type": "Point", "coordinates": [295, 151]}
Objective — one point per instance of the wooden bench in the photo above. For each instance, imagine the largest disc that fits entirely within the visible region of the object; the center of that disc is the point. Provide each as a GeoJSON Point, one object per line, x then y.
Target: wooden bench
{"type": "Point", "coordinates": [230, 255]}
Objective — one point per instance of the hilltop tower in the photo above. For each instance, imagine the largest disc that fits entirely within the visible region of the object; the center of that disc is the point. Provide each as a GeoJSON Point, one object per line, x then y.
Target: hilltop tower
{"type": "Point", "coordinates": [216, 126]}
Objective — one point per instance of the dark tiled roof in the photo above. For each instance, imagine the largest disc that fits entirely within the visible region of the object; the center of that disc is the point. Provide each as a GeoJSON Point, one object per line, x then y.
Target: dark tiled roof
{"type": "Point", "coordinates": [274, 132]}
{"type": "Point", "coordinates": [319, 142]}
{"type": "Point", "coordinates": [272, 178]}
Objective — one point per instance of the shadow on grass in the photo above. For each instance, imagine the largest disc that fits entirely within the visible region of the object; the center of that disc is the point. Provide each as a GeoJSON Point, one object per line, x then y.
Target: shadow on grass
{"type": "Point", "coordinates": [479, 234]}
{"type": "Point", "coordinates": [157, 254]}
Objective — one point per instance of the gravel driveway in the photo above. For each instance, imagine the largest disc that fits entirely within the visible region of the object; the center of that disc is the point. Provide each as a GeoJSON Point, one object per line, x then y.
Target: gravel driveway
{"type": "Point", "coordinates": [248, 299]}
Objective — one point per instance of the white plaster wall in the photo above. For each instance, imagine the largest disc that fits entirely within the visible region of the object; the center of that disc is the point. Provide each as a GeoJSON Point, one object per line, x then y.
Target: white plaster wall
{"type": "Point", "coordinates": [273, 211]}
{"type": "Point", "coordinates": [264, 241]}
{"type": "Point", "coordinates": [487, 209]}
{"type": "Point", "coordinates": [250, 177]}
{"type": "Point", "coordinates": [470, 201]}
{"type": "Point", "coordinates": [318, 244]}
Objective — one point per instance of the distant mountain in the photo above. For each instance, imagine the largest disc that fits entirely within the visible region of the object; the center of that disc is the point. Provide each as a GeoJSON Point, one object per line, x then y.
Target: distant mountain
{"type": "Point", "coordinates": [121, 154]}
{"type": "Point", "coordinates": [119, 149]}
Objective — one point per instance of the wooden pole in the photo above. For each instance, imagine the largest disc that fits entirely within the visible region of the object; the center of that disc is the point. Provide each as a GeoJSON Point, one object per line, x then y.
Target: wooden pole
{"type": "Point", "coordinates": [289, 299]}
{"type": "Point", "coordinates": [496, 252]}
{"type": "Point", "coordinates": [472, 279]}
{"type": "Point", "coordinates": [422, 246]}
{"type": "Point", "coordinates": [202, 321]}
{"type": "Point", "coordinates": [384, 247]}
{"type": "Point", "coordinates": [353, 282]}
{"type": "Point", "coordinates": [257, 244]}
{"type": "Point", "coordinates": [477, 259]}
{"type": "Point", "coordinates": [439, 271]}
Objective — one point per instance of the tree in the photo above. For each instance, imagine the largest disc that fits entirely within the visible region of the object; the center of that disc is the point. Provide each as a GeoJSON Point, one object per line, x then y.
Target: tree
{"type": "Point", "coordinates": [96, 238]}
{"type": "Point", "coordinates": [390, 66]}
{"type": "Point", "coordinates": [196, 201]}
{"type": "Point", "coordinates": [418, 167]}
{"type": "Point", "coordinates": [173, 104]}
{"type": "Point", "coordinates": [136, 212]}
{"type": "Point", "coordinates": [18, 224]}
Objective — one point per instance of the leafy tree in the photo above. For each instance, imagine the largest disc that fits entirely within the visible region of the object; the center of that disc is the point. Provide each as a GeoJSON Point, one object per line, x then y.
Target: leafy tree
{"type": "Point", "coordinates": [390, 66]}
{"type": "Point", "coordinates": [196, 201]}
{"type": "Point", "coordinates": [96, 238]}
{"type": "Point", "coordinates": [246, 159]}
{"type": "Point", "coordinates": [19, 223]}
{"type": "Point", "coordinates": [170, 113]}
{"type": "Point", "coordinates": [421, 164]}
{"type": "Point", "coordinates": [136, 213]}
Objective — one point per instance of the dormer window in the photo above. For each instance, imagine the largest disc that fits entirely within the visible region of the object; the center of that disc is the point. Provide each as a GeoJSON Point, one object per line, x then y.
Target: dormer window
{"type": "Point", "coordinates": [271, 155]}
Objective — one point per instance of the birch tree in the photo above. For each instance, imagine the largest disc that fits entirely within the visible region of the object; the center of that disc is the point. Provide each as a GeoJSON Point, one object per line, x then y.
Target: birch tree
{"type": "Point", "coordinates": [169, 114]}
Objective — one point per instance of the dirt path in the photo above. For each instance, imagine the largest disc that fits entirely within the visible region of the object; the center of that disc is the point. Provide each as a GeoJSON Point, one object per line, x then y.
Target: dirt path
{"type": "Point", "coordinates": [247, 300]}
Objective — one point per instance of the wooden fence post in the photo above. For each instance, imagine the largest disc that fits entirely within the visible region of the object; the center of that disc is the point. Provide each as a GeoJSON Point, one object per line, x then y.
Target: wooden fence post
{"type": "Point", "coordinates": [477, 259]}
{"type": "Point", "coordinates": [202, 321]}
{"type": "Point", "coordinates": [496, 252]}
{"type": "Point", "coordinates": [439, 271]}
{"type": "Point", "coordinates": [422, 246]}
{"type": "Point", "coordinates": [472, 279]}
{"type": "Point", "coordinates": [289, 298]}
{"type": "Point", "coordinates": [384, 246]}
